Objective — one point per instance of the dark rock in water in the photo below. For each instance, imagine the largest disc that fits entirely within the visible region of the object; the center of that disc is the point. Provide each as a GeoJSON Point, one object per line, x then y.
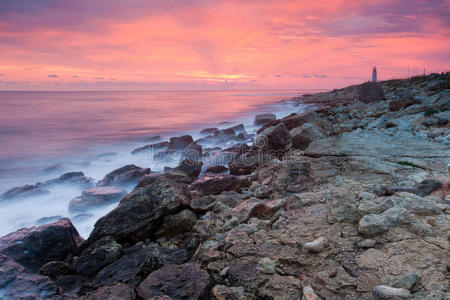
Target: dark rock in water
{"type": "Point", "coordinates": [133, 267]}
{"type": "Point", "coordinates": [151, 148]}
{"type": "Point", "coordinates": [23, 191]}
{"type": "Point", "coordinates": [82, 217]}
{"type": "Point", "coordinates": [176, 224]}
{"type": "Point", "coordinates": [71, 285]}
{"type": "Point", "coordinates": [188, 281]}
{"type": "Point", "coordinates": [214, 185]}
{"type": "Point", "coordinates": [125, 176]}
{"type": "Point", "coordinates": [274, 138]}
{"type": "Point", "coordinates": [47, 220]}
{"type": "Point", "coordinates": [137, 214]}
{"type": "Point", "coordinates": [207, 131]}
{"type": "Point", "coordinates": [17, 283]}
{"type": "Point", "coordinates": [96, 256]}
{"type": "Point", "coordinates": [238, 128]}
{"type": "Point", "coordinates": [189, 168]}
{"type": "Point", "coordinates": [216, 169]}
{"type": "Point", "coordinates": [118, 291]}
{"type": "Point", "coordinates": [55, 269]}
{"type": "Point", "coordinates": [72, 178]}
{"type": "Point", "coordinates": [371, 92]}
{"type": "Point", "coordinates": [262, 119]}
{"type": "Point", "coordinates": [193, 151]}
{"type": "Point", "coordinates": [95, 197]}
{"type": "Point", "coordinates": [247, 163]}
{"type": "Point", "coordinates": [33, 247]}
{"type": "Point", "coordinates": [229, 132]}
{"type": "Point", "coordinates": [396, 105]}
{"type": "Point", "coordinates": [180, 142]}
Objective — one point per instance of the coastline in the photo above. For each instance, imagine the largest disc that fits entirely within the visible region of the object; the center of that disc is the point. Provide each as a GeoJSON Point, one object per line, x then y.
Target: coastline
{"type": "Point", "coordinates": [318, 203]}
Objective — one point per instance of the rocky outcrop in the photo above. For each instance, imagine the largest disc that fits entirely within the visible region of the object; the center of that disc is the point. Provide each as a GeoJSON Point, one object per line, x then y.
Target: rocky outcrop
{"type": "Point", "coordinates": [214, 185]}
{"type": "Point", "coordinates": [274, 138]}
{"type": "Point", "coordinates": [24, 191]}
{"type": "Point", "coordinates": [126, 176]}
{"type": "Point", "coordinates": [95, 197]}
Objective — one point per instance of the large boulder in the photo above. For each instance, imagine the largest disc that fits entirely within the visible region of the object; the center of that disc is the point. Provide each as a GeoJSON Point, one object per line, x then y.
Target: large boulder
{"type": "Point", "coordinates": [24, 191]}
{"type": "Point", "coordinates": [274, 138]}
{"type": "Point", "coordinates": [118, 291]}
{"type": "Point", "coordinates": [180, 142]}
{"type": "Point", "coordinates": [126, 176]}
{"type": "Point", "coordinates": [97, 196]}
{"type": "Point", "coordinates": [262, 119]}
{"type": "Point", "coordinates": [176, 224]}
{"type": "Point", "coordinates": [137, 214]}
{"type": "Point", "coordinates": [396, 105]}
{"type": "Point", "coordinates": [214, 185]}
{"type": "Point", "coordinates": [247, 163]}
{"type": "Point", "coordinates": [189, 168]}
{"type": "Point", "coordinates": [33, 247]}
{"type": "Point", "coordinates": [188, 281]}
{"type": "Point", "coordinates": [302, 136]}
{"type": "Point", "coordinates": [371, 92]}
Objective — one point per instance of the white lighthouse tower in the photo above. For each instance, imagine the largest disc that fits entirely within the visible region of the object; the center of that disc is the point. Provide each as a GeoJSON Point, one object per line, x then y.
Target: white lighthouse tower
{"type": "Point", "coordinates": [374, 74]}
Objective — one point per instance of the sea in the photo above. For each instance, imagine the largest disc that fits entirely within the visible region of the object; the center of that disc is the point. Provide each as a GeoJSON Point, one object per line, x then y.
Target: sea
{"type": "Point", "coordinates": [46, 134]}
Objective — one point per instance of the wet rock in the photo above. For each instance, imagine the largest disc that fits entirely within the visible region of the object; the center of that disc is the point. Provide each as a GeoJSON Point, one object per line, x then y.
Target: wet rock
{"type": "Point", "coordinates": [47, 220]}
{"type": "Point", "coordinates": [180, 142]}
{"type": "Point", "coordinates": [177, 223]}
{"type": "Point", "coordinates": [137, 214]}
{"type": "Point", "coordinates": [72, 178]}
{"type": "Point", "coordinates": [384, 292]}
{"type": "Point", "coordinates": [189, 168]}
{"type": "Point", "coordinates": [118, 291]}
{"type": "Point", "coordinates": [55, 269]}
{"type": "Point", "coordinates": [96, 256]}
{"type": "Point", "coordinates": [207, 131]}
{"type": "Point", "coordinates": [318, 245]}
{"type": "Point", "coordinates": [262, 119]}
{"type": "Point", "coordinates": [371, 92]}
{"type": "Point", "coordinates": [33, 247]}
{"type": "Point", "coordinates": [126, 176]}
{"type": "Point", "coordinates": [151, 149]}
{"type": "Point", "coordinates": [274, 138]}
{"type": "Point", "coordinates": [216, 169]}
{"type": "Point", "coordinates": [95, 197]}
{"type": "Point", "coordinates": [186, 281]}
{"type": "Point", "coordinates": [214, 185]}
{"type": "Point", "coordinates": [203, 204]}
{"type": "Point", "coordinates": [28, 190]}
{"type": "Point", "coordinates": [266, 266]}
{"type": "Point", "coordinates": [309, 294]}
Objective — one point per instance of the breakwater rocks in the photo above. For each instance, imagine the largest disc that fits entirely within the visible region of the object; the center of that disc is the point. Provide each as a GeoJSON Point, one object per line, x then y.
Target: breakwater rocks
{"type": "Point", "coordinates": [349, 200]}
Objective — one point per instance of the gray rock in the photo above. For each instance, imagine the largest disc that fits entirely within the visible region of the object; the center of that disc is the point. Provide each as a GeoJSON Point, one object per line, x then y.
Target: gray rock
{"type": "Point", "coordinates": [367, 243]}
{"type": "Point", "coordinates": [94, 197]}
{"type": "Point", "coordinates": [410, 282]}
{"type": "Point", "coordinates": [126, 176]}
{"type": "Point", "coordinates": [262, 119]}
{"type": "Point", "coordinates": [274, 138]}
{"type": "Point", "coordinates": [384, 292]}
{"type": "Point", "coordinates": [373, 224]}
{"type": "Point", "coordinates": [266, 266]}
{"type": "Point", "coordinates": [318, 245]}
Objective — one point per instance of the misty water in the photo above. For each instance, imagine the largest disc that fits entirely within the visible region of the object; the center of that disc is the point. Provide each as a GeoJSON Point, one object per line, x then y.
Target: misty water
{"type": "Point", "coordinates": [46, 134]}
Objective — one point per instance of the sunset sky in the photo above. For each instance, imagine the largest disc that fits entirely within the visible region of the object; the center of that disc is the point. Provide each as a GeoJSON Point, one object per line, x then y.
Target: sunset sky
{"type": "Point", "coordinates": [208, 44]}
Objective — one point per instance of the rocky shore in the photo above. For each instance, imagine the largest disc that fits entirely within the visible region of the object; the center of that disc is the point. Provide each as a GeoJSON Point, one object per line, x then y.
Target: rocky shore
{"type": "Point", "coordinates": [349, 200]}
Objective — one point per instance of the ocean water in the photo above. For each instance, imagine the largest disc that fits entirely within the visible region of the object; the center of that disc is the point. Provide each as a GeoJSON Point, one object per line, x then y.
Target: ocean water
{"type": "Point", "coordinates": [46, 134]}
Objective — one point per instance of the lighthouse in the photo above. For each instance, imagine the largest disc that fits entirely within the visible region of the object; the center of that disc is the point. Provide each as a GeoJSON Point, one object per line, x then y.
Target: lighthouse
{"type": "Point", "coordinates": [374, 74]}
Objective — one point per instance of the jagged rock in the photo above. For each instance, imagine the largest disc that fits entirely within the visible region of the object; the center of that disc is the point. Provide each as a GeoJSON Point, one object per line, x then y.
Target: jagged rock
{"type": "Point", "coordinates": [55, 269]}
{"type": "Point", "coordinates": [384, 292]}
{"type": "Point", "coordinates": [177, 223]}
{"type": "Point", "coordinates": [274, 138]}
{"type": "Point", "coordinates": [203, 204]}
{"type": "Point", "coordinates": [95, 197]}
{"type": "Point", "coordinates": [186, 281]}
{"type": "Point", "coordinates": [24, 191]}
{"type": "Point", "coordinates": [214, 185]}
{"type": "Point", "coordinates": [266, 266]}
{"type": "Point", "coordinates": [373, 224]}
{"type": "Point", "coordinates": [137, 214]}
{"type": "Point", "coordinates": [33, 247]}
{"type": "Point", "coordinates": [126, 176]}
{"type": "Point", "coordinates": [211, 130]}
{"type": "Point", "coordinates": [189, 168]}
{"type": "Point", "coordinates": [118, 291]}
{"type": "Point", "coordinates": [318, 245]}
{"type": "Point", "coordinates": [371, 92]}
{"type": "Point", "coordinates": [180, 142]}
{"type": "Point", "coordinates": [302, 136]}
{"type": "Point", "coordinates": [247, 163]}
{"type": "Point", "coordinates": [96, 256]}
{"type": "Point", "coordinates": [426, 187]}
{"type": "Point", "coordinates": [262, 119]}
{"type": "Point", "coordinates": [71, 285]}
{"type": "Point", "coordinates": [72, 178]}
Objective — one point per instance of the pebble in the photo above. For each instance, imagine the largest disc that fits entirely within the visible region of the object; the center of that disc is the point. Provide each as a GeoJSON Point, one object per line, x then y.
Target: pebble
{"type": "Point", "coordinates": [309, 294]}
{"type": "Point", "coordinates": [318, 245]}
{"type": "Point", "coordinates": [266, 266]}
{"type": "Point", "coordinates": [224, 271]}
{"type": "Point", "coordinates": [385, 292]}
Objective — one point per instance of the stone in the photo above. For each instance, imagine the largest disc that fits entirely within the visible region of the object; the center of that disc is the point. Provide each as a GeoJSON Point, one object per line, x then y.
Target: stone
{"type": "Point", "coordinates": [33, 247]}
{"type": "Point", "coordinates": [95, 197]}
{"type": "Point", "coordinates": [55, 269]}
{"type": "Point", "coordinates": [309, 294]}
{"type": "Point", "coordinates": [367, 243]}
{"type": "Point", "coordinates": [118, 291]}
{"type": "Point", "coordinates": [188, 281]}
{"type": "Point", "coordinates": [223, 292]}
{"type": "Point", "coordinates": [189, 168]}
{"type": "Point", "coordinates": [210, 130]}
{"type": "Point", "coordinates": [384, 292]}
{"type": "Point", "coordinates": [372, 224]}
{"type": "Point", "coordinates": [24, 191]}
{"type": "Point", "coordinates": [72, 178]}
{"type": "Point", "coordinates": [318, 245]}
{"type": "Point", "coordinates": [214, 185]}
{"type": "Point", "coordinates": [299, 140]}
{"type": "Point", "coordinates": [410, 282]}
{"type": "Point", "coordinates": [396, 105]}
{"type": "Point", "coordinates": [176, 224]}
{"type": "Point", "coordinates": [97, 255]}
{"type": "Point", "coordinates": [274, 138]}
{"type": "Point", "coordinates": [262, 119]}
{"type": "Point", "coordinates": [247, 163]}
{"type": "Point", "coordinates": [151, 149]}
{"type": "Point", "coordinates": [426, 187]}
{"type": "Point", "coordinates": [127, 176]}
{"type": "Point", "coordinates": [203, 204]}
{"type": "Point", "coordinates": [180, 142]}
{"type": "Point", "coordinates": [216, 169]}
{"type": "Point", "coordinates": [266, 266]}
{"type": "Point", "coordinates": [371, 92]}
{"type": "Point", "coordinates": [137, 214]}
{"type": "Point", "coordinates": [71, 285]}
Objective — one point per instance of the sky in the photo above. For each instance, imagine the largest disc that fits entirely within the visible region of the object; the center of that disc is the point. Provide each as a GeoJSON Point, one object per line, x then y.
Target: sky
{"type": "Point", "coordinates": [212, 44]}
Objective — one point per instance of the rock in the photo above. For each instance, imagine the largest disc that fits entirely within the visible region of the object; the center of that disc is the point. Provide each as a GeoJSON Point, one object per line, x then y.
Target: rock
{"type": "Point", "coordinates": [177, 223]}
{"type": "Point", "coordinates": [224, 271]}
{"type": "Point", "coordinates": [203, 204]}
{"type": "Point", "coordinates": [189, 168]}
{"type": "Point", "coordinates": [426, 187]}
{"type": "Point", "coordinates": [410, 282]}
{"type": "Point", "coordinates": [262, 119]}
{"type": "Point", "coordinates": [309, 294]}
{"type": "Point", "coordinates": [47, 220]}
{"type": "Point", "coordinates": [95, 197]}
{"type": "Point", "coordinates": [247, 163]}
{"type": "Point", "coordinates": [318, 245]}
{"type": "Point", "coordinates": [118, 291]}
{"type": "Point", "coordinates": [274, 138]}
{"type": "Point", "coordinates": [137, 213]}
{"type": "Point", "coordinates": [151, 149]}
{"type": "Point", "coordinates": [17, 283]}
{"type": "Point", "coordinates": [33, 247]}
{"type": "Point", "coordinates": [180, 142]}
{"type": "Point", "coordinates": [214, 185]}
{"type": "Point", "coordinates": [371, 92]}
{"type": "Point", "coordinates": [373, 224]}
{"type": "Point", "coordinates": [72, 178]}
{"type": "Point", "coordinates": [186, 281]}
{"type": "Point", "coordinates": [266, 266]}
{"type": "Point", "coordinates": [96, 256]}
{"type": "Point", "coordinates": [384, 292]}
{"type": "Point", "coordinates": [216, 169]}
{"type": "Point", "coordinates": [296, 120]}
{"type": "Point", "coordinates": [299, 141]}
{"type": "Point", "coordinates": [223, 292]}
{"type": "Point", "coordinates": [127, 176]}
{"type": "Point", "coordinates": [71, 285]}
{"type": "Point", "coordinates": [396, 105]}
{"type": "Point", "coordinates": [367, 243]}
{"type": "Point", "coordinates": [302, 136]}
{"type": "Point", "coordinates": [55, 269]}
{"type": "Point", "coordinates": [23, 191]}
{"type": "Point", "coordinates": [207, 131]}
